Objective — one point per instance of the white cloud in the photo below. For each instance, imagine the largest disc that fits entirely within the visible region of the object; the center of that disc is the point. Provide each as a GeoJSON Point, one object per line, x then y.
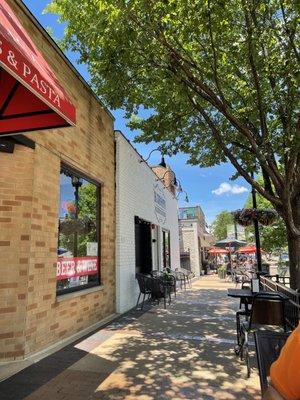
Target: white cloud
{"type": "Point", "coordinates": [226, 187]}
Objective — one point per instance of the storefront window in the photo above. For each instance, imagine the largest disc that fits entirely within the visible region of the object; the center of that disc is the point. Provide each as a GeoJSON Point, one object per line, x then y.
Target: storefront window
{"type": "Point", "coordinates": [78, 265]}
{"type": "Point", "coordinates": [166, 249]}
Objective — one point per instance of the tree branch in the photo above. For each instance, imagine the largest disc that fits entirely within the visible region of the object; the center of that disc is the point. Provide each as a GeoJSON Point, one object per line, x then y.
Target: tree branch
{"type": "Point", "coordinates": [289, 33]}
{"type": "Point", "coordinates": [256, 79]}
{"type": "Point", "coordinates": [218, 137]}
{"type": "Point", "coordinates": [276, 178]}
{"type": "Point", "coordinates": [215, 62]}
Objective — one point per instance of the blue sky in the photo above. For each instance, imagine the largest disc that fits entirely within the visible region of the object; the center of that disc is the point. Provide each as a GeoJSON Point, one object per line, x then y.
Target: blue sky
{"type": "Point", "coordinates": [209, 187]}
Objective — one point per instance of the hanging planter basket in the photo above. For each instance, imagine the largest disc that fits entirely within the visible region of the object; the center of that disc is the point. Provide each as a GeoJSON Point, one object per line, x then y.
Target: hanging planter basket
{"type": "Point", "coordinates": [266, 216]}
{"type": "Point", "coordinates": [247, 216]}
{"type": "Point", "coordinates": [79, 226]}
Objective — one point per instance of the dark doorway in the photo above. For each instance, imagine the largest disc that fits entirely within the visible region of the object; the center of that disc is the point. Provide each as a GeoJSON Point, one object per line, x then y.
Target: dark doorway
{"type": "Point", "coordinates": [143, 251]}
{"type": "Point", "coordinates": [185, 261]}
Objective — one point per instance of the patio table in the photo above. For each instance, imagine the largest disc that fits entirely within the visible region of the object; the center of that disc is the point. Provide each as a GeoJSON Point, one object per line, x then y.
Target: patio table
{"type": "Point", "coordinates": [247, 295]}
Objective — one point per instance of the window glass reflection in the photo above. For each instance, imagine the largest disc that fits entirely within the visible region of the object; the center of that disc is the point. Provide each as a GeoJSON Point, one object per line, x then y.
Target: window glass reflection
{"type": "Point", "coordinates": [78, 262]}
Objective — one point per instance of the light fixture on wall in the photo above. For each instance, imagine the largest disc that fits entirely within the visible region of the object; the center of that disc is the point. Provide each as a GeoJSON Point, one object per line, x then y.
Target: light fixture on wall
{"type": "Point", "coordinates": [186, 195]}
{"type": "Point", "coordinates": [163, 163]}
{"type": "Point", "coordinates": [178, 186]}
{"type": "Point", "coordinates": [152, 151]}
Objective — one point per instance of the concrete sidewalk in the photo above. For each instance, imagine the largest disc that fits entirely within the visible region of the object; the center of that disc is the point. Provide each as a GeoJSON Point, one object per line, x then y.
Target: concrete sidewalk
{"type": "Point", "coordinates": [183, 352]}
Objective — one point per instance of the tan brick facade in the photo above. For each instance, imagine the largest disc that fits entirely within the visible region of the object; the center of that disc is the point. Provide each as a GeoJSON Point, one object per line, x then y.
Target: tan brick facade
{"type": "Point", "coordinates": [166, 175]}
{"type": "Point", "coordinates": [31, 316]}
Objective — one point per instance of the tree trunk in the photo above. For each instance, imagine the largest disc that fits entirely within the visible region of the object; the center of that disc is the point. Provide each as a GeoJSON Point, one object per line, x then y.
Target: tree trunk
{"type": "Point", "coordinates": [294, 246]}
{"type": "Point", "coordinates": [294, 255]}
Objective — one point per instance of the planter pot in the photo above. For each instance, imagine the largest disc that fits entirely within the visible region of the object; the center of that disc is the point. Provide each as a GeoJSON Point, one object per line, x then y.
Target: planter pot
{"type": "Point", "coordinates": [222, 274]}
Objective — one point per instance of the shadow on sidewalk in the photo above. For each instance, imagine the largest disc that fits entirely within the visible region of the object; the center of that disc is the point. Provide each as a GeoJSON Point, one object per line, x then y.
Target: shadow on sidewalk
{"type": "Point", "coordinates": [183, 352]}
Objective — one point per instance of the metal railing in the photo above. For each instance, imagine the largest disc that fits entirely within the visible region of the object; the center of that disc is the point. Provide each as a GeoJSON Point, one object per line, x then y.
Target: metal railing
{"type": "Point", "coordinates": [285, 280]}
{"type": "Point", "coordinates": [292, 309]}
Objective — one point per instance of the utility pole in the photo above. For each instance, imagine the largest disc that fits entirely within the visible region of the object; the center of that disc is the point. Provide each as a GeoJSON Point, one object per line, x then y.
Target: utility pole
{"type": "Point", "coordinates": [256, 230]}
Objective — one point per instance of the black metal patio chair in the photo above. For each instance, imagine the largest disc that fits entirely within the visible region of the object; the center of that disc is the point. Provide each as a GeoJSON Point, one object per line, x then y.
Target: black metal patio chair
{"type": "Point", "coordinates": [180, 278]}
{"type": "Point", "coordinates": [162, 287]}
{"type": "Point", "coordinates": [268, 346]}
{"type": "Point", "coordinates": [242, 312]}
{"type": "Point", "coordinates": [156, 288]}
{"type": "Point", "coordinates": [146, 287]}
{"type": "Point", "coordinates": [268, 310]}
{"type": "Point", "coordinates": [241, 275]}
{"type": "Point", "coordinates": [186, 276]}
{"type": "Point", "coordinates": [189, 275]}
{"type": "Point", "coordinates": [169, 281]}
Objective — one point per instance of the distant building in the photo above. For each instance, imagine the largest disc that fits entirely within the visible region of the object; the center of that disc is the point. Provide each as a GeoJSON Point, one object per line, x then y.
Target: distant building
{"type": "Point", "coordinates": [194, 238]}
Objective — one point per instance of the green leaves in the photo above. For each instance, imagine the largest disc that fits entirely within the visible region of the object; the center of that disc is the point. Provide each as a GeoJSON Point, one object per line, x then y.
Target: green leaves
{"type": "Point", "coordinates": [219, 226]}
{"type": "Point", "coordinates": [220, 76]}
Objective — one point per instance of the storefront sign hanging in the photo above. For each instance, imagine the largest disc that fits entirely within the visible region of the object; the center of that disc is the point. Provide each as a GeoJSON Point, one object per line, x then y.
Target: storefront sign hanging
{"type": "Point", "coordinates": [159, 204]}
{"type": "Point", "coordinates": [31, 97]}
{"type": "Point", "coordinates": [74, 267]}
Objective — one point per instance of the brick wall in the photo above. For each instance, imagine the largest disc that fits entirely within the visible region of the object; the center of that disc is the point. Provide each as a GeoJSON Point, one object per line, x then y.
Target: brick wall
{"type": "Point", "coordinates": [189, 242]}
{"type": "Point", "coordinates": [16, 188]}
{"type": "Point", "coordinates": [31, 316]}
{"type": "Point", "coordinates": [166, 177]}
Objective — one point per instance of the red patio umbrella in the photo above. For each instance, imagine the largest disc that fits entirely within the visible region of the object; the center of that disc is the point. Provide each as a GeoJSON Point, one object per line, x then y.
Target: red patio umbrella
{"type": "Point", "coordinates": [217, 250]}
{"type": "Point", "coordinates": [250, 249]}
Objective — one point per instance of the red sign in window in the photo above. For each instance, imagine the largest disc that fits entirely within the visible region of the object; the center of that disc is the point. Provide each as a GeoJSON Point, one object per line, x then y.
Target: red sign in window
{"type": "Point", "coordinates": [75, 267]}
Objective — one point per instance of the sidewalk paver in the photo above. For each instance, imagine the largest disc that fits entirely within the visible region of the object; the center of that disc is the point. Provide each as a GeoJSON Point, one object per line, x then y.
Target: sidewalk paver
{"type": "Point", "coordinates": [183, 352]}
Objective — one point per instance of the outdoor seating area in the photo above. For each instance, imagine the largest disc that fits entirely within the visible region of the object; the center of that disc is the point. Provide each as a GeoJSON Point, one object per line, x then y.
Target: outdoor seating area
{"type": "Point", "coordinates": [182, 352]}
{"type": "Point", "coordinates": [268, 312]}
{"type": "Point", "coordinates": [161, 285]}
{"type": "Point", "coordinates": [150, 200]}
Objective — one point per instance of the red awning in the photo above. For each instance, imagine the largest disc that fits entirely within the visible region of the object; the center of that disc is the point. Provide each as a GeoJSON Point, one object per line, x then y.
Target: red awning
{"type": "Point", "coordinates": [31, 97]}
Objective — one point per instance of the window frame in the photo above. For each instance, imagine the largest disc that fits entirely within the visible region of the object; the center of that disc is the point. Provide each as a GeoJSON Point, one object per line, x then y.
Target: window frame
{"type": "Point", "coordinates": [71, 170]}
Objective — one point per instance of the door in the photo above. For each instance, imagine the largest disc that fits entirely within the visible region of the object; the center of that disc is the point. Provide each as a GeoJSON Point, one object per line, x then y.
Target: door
{"type": "Point", "coordinates": [143, 249]}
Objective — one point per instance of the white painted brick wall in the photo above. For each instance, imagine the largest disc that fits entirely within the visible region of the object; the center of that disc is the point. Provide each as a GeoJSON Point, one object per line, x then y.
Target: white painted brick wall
{"type": "Point", "coordinates": [189, 236]}
{"type": "Point", "coordinates": [135, 196]}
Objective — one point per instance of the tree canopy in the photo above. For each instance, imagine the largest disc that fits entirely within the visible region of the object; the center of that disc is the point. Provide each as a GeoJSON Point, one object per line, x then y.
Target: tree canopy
{"type": "Point", "coordinates": [221, 79]}
{"type": "Point", "coordinates": [219, 226]}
